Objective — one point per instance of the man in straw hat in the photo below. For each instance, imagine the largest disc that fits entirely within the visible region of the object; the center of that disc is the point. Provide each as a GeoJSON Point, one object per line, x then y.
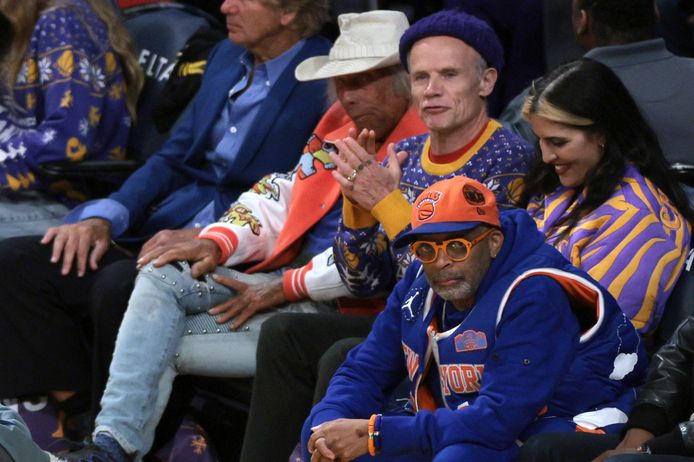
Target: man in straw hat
{"type": "Point", "coordinates": [284, 224]}
{"type": "Point", "coordinates": [497, 334]}
{"type": "Point", "coordinates": [454, 59]}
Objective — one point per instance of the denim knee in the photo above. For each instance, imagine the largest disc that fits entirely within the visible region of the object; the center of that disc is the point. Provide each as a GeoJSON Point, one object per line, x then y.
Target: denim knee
{"type": "Point", "coordinates": [174, 280]}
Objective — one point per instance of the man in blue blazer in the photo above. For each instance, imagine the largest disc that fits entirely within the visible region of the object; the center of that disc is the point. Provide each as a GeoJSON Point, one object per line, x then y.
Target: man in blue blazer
{"type": "Point", "coordinates": [249, 118]}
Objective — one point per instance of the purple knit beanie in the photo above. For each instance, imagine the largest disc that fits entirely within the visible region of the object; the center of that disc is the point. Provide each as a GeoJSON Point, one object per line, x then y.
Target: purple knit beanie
{"type": "Point", "coordinates": [455, 23]}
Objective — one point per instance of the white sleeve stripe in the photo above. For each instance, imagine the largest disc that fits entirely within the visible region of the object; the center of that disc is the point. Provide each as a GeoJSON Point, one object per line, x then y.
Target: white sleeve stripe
{"type": "Point", "coordinates": [293, 283]}
{"type": "Point", "coordinates": [222, 239]}
{"type": "Point", "coordinates": [298, 282]}
{"type": "Point", "coordinates": [540, 271]}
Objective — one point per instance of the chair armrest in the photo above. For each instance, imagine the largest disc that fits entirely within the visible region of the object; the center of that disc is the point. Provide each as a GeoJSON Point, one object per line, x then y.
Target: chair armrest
{"type": "Point", "coordinates": [88, 168]}
{"type": "Point", "coordinates": [684, 173]}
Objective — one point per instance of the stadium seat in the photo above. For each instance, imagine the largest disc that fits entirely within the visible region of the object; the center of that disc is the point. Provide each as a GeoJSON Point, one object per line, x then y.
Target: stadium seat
{"type": "Point", "coordinates": [160, 31]}
{"type": "Point", "coordinates": [684, 173]}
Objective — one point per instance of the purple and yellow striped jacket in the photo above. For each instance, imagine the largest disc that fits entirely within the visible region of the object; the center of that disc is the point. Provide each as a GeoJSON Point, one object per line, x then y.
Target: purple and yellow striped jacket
{"type": "Point", "coordinates": [635, 244]}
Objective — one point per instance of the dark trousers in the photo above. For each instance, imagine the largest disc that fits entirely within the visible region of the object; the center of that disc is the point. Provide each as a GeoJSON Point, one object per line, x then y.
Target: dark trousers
{"type": "Point", "coordinates": [581, 447]}
{"type": "Point", "coordinates": [330, 362]}
{"type": "Point", "coordinates": [566, 447]}
{"type": "Point", "coordinates": [289, 354]}
{"type": "Point", "coordinates": [54, 328]}
{"type": "Point", "coordinates": [648, 458]}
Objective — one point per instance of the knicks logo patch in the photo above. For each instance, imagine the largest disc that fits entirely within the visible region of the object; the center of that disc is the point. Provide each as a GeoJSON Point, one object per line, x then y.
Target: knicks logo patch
{"type": "Point", "coordinates": [472, 195]}
{"type": "Point", "coordinates": [426, 207]}
{"type": "Point", "coordinates": [470, 340]}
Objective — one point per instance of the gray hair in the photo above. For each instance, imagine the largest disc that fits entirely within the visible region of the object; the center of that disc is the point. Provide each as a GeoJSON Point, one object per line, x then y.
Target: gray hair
{"type": "Point", "coordinates": [311, 15]}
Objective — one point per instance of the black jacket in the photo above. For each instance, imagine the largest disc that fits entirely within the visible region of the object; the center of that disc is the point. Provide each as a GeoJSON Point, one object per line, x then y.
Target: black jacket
{"type": "Point", "coordinates": [665, 402]}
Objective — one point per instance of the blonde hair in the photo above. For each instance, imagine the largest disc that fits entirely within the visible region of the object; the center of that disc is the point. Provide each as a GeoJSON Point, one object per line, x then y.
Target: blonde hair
{"type": "Point", "coordinates": [536, 103]}
{"type": "Point", "coordinates": [549, 111]}
{"type": "Point", "coordinates": [22, 17]}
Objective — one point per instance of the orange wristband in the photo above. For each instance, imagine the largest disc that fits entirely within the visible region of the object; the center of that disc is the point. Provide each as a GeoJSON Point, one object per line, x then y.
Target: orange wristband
{"type": "Point", "coordinates": [372, 446]}
{"type": "Point", "coordinates": [374, 433]}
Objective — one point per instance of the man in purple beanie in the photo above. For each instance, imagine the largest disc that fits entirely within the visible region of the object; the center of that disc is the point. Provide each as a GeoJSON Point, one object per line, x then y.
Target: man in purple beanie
{"type": "Point", "coordinates": [454, 60]}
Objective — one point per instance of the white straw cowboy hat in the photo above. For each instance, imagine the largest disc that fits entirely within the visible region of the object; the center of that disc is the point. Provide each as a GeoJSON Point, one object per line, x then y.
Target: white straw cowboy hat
{"type": "Point", "coordinates": [367, 41]}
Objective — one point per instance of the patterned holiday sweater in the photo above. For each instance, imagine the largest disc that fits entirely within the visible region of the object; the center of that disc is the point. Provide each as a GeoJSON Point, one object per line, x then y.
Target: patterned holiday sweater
{"type": "Point", "coordinates": [635, 244]}
{"type": "Point", "coordinates": [68, 101]}
{"type": "Point", "coordinates": [363, 254]}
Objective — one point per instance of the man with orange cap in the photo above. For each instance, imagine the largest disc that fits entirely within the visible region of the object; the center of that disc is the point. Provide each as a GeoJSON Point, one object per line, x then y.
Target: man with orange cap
{"type": "Point", "coordinates": [499, 336]}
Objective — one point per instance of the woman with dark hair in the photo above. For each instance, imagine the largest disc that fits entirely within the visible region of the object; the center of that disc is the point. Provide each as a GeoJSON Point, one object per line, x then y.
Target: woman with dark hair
{"type": "Point", "coordinates": [601, 194]}
{"type": "Point", "coordinates": [69, 82]}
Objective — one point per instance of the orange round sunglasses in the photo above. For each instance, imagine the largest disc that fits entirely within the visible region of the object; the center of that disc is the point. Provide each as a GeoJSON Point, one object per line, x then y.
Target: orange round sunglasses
{"type": "Point", "coordinates": [457, 249]}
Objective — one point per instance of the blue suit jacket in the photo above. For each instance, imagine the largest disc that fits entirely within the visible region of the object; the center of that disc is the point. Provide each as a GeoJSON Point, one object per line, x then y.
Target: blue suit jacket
{"type": "Point", "coordinates": [171, 187]}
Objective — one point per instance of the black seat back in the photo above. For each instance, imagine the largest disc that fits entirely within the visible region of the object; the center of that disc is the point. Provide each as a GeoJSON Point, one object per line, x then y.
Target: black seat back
{"type": "Point", "coordinates": [160, 31]}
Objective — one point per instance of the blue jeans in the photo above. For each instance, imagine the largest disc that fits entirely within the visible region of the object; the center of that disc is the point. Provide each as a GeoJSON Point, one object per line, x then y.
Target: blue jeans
{"type": "Point", "coordinates": [15, 439]}
{"type": "Point", "coordinates": [151, 348]}
{"type": "Point", "coordinates": [28, 213]}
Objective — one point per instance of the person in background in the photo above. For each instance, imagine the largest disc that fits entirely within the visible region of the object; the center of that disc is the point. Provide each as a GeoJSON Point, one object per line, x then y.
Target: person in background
{"type": "Point", "coordinates": [620, 34]}
{"type": "Point", "coordinates": [69, 81]}
{"type": "Point", "coordinates": [249, 118]}
{"type": "Point", "coordinates": [497, 335]}
{"type": "Point", "coordinates": [600, 192]}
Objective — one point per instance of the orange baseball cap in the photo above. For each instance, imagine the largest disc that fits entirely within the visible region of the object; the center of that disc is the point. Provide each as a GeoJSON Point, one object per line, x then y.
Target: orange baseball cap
{"type": "Point", "coordinates": [450, 206]}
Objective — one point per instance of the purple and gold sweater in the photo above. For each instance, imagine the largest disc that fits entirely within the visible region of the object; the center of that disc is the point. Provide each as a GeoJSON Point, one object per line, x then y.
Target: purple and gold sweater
{"type": "Point", "coordinates": [69, 98]}
{"type": "Point", "coordinates": [368, 266]}
{"type": "Point", "coordinates": [635, 244]}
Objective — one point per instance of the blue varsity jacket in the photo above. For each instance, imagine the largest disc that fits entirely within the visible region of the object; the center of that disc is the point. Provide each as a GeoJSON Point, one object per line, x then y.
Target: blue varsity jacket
{"type": "Point", "coordinates": [543, 348]}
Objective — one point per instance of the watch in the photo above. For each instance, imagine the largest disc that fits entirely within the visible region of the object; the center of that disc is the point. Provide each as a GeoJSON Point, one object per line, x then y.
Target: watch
{"type": "Point", "coordinates": [644, 448]}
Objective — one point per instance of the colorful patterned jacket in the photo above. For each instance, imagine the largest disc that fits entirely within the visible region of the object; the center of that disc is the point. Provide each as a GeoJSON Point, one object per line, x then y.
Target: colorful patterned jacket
{"type": "Point", "coordinates": [544, 348]}
{"type": "Point", "coordinates": [635, 244]}
{"type": "Point", "coordinates": [69, 99]}
{"type": "Point", "coordinates": [367, 264]}
{"type": "Point", "coordinates": [268, 223]}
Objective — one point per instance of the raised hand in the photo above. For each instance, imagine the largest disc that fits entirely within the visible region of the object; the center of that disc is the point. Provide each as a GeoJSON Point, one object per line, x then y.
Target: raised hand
{"type": "Point", "coordinates": [362, 178]}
